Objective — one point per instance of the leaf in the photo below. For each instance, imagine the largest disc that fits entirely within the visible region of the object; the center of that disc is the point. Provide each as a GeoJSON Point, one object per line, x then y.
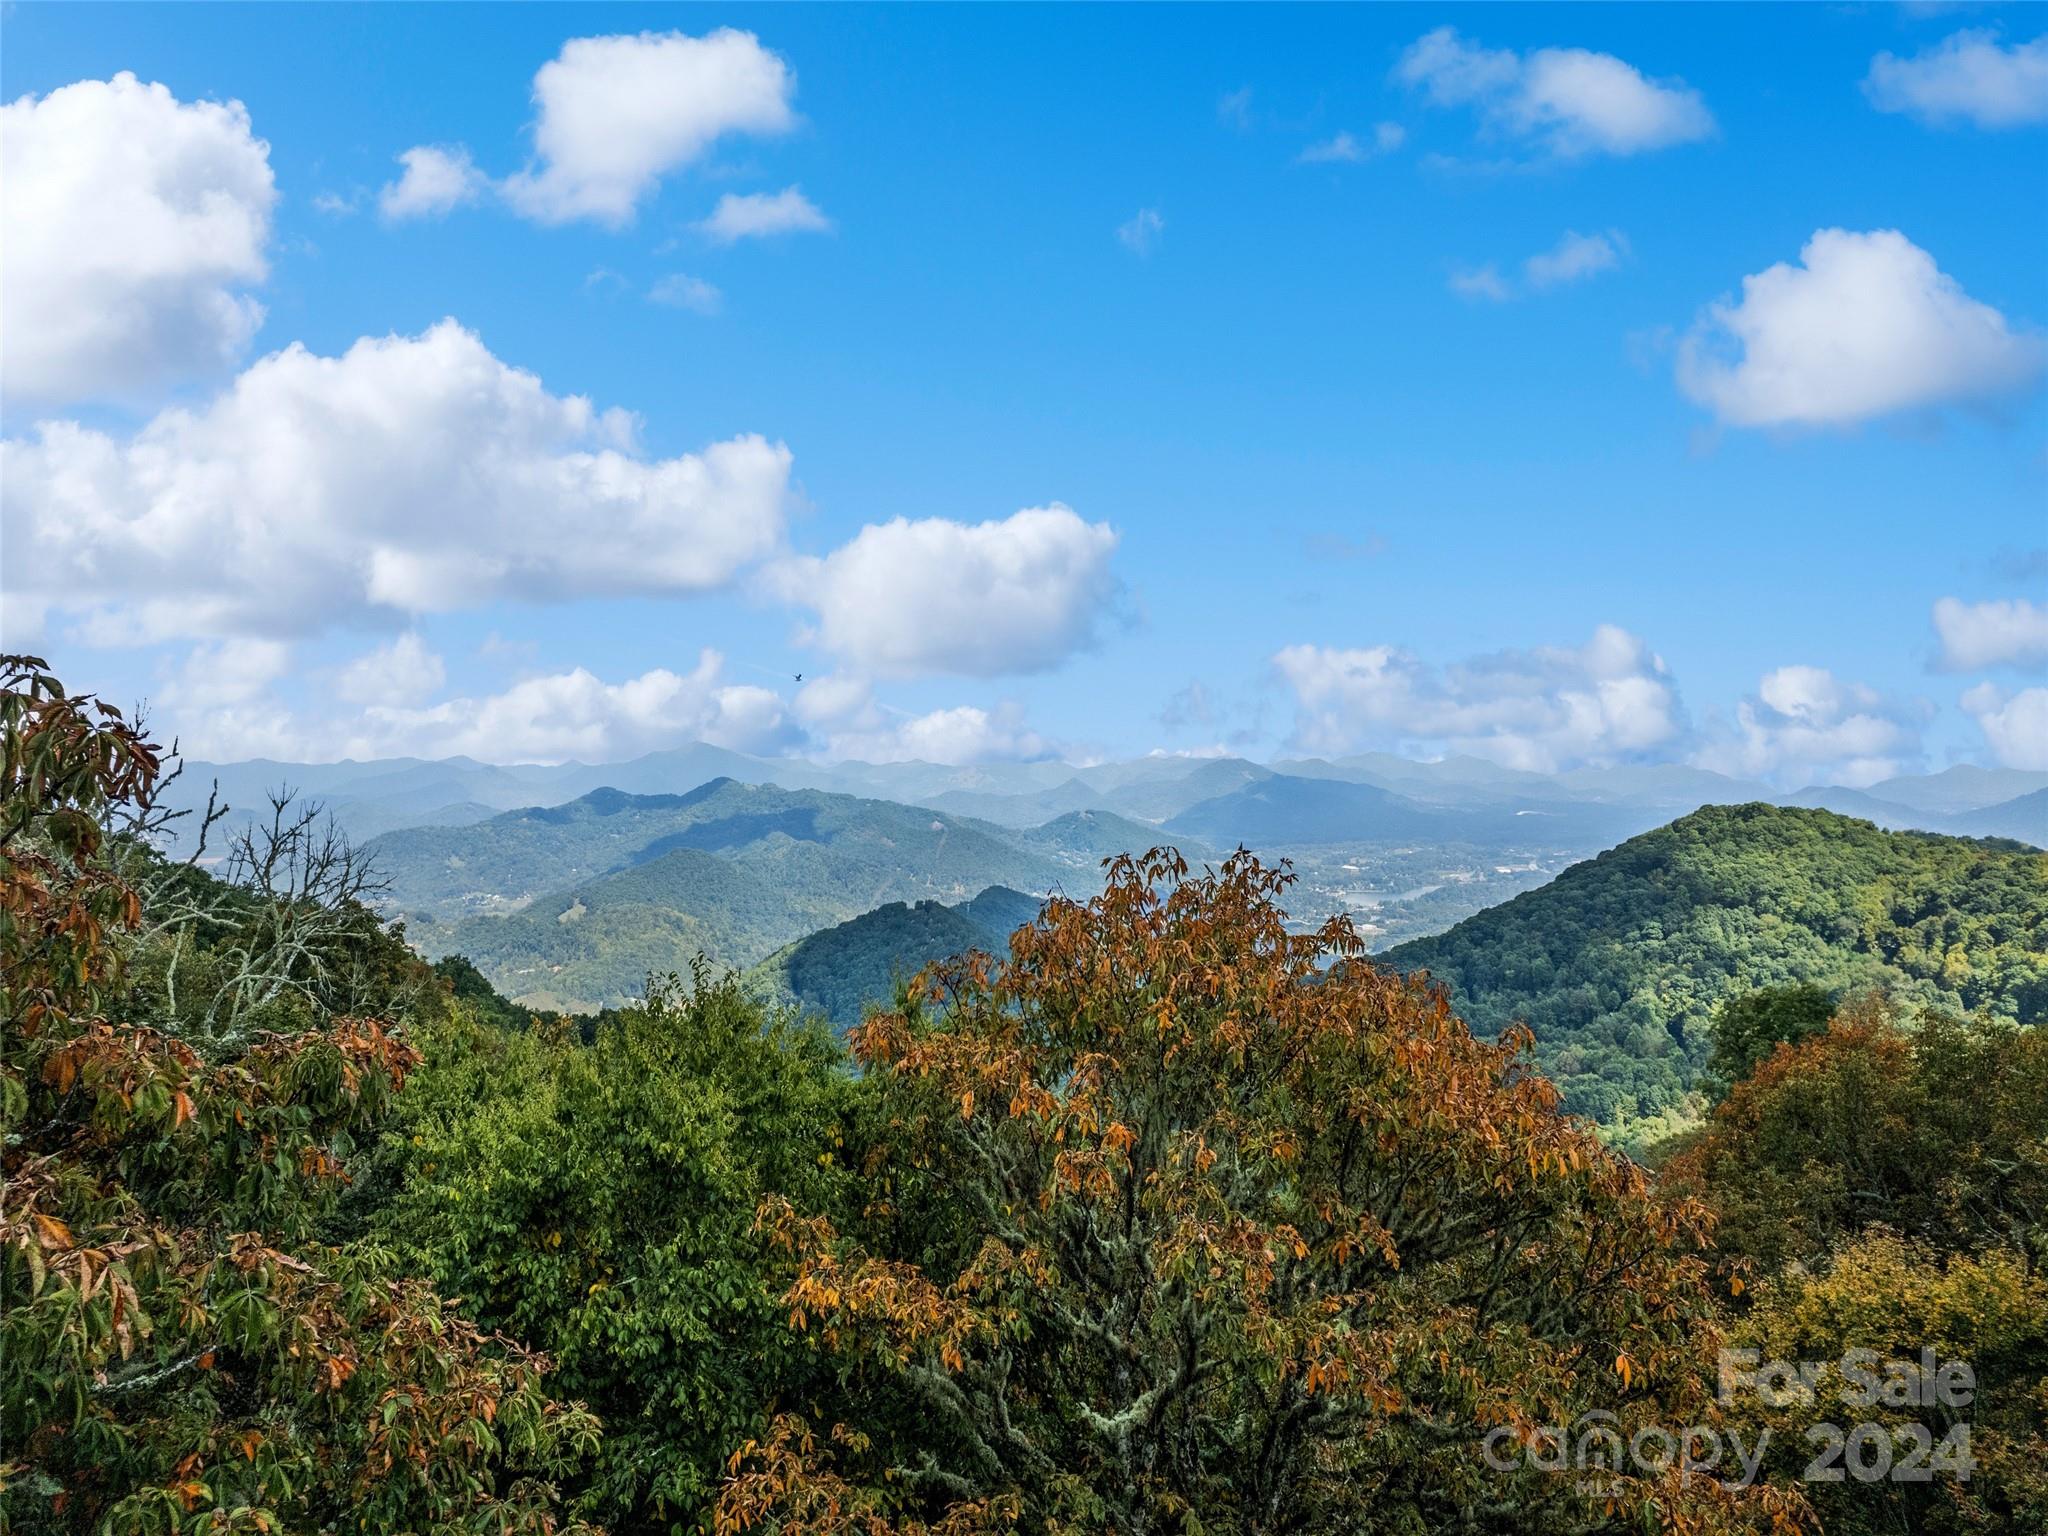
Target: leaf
{"type": "Point", "coordinates": [53, 1232]}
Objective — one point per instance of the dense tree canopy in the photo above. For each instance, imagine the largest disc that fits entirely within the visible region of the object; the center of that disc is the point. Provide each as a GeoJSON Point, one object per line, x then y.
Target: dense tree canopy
{"type": "Point", "coordinates": [1166, 1218]}
{"type": "Point", "coordinates": [1175, 1232]}
{"type": "Point", "coordinates": [1883, 1185]}
{"type": "Point", "coordinates": [180, 1351]}
{"type": "Point", "coordinates": [1618, 965]}
{"type": "Point", "coordinates": [597, 1201]}
{"type": "Point", "coordinates": [841, 972]}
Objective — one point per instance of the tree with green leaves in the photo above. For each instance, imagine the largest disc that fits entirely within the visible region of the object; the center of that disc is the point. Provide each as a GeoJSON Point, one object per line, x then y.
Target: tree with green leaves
{"type": "Point", "coordinates": [596, 1199]}
{"type": "Point", "coordinates": [1748, 1027]}
{"type": "Point", "coordinates": [179, 1351]}
{"type": "Point", "coordinates": [1882, 1185]}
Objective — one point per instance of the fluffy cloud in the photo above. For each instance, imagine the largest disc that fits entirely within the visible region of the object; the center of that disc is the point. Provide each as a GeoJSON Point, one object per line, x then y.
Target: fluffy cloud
{"type": "Point", "coordinates": [1806, 726]}
{"type": "Point", "coordinates": [1974, 635]}
{"type": "Point", "coordinates": [408, 475]}
{"type": "Point", "coordinates": [1141, 231]}
{"type": "Point", "coordinates": [757, 215]}
{"type": "Point", "coordinates": [403, 672]}
{"type": "Point", "coordinates": [1542, 709]}
{"type": "Point", "coordinates": [841, 709]}
{"type": "Point", "coordinates": [1970, 77]}
{"type": "Point", "coordinates": [967, 734]}
{"type": "Point", "coordinates": [437, 178]}
{"type": "Point", "coordinates": [576, 715]}
{"type": "Point", "coordinates": [979, 599]}
{"type": "Point", "coordinates": [619, 113]}
{"type": "Point", "coordinates": [134, 222]}
{"type": "Point", "coordinates": [554, 717]}
{"type": "Point", "coordinates": [1866, 325]}
{"type": "Point", "coordinates": [1571, 101]}
{"type": "Point", "coordinates": [2015, 726]}
{"type": "Point", "coordinates": [226, 674]}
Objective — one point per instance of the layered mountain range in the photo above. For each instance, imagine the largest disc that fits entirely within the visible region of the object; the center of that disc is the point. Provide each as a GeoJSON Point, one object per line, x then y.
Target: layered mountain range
{"type": "Point", "coordinates": [568, 885]}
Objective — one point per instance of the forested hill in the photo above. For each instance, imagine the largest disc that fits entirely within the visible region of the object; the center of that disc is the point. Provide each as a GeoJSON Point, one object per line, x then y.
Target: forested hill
{"type": "Point", "coordinates": [839, 971]}
{"type": "Point", "coordinates": [1618, 964]}
{"type": "Point", "coordinates": [841, 853]}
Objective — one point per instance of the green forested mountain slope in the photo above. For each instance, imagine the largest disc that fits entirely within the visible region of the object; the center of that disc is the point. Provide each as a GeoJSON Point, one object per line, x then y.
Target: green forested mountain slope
{"type": "Point", "coordinates": [838, 971]}
{"type": "Point", "coordinates": [596, 945]}
{"type": "Point", "coordinates": [839, 853]}
{"type": "Point", "coordinates": [1618, 964]}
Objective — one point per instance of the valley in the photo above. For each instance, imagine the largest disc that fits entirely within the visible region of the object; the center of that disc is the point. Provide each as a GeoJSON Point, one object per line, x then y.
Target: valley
{"type": "Point", "coordinates": [570, 901]}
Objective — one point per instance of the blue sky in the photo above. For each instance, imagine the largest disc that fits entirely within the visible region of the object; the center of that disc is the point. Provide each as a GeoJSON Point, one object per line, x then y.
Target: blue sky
{"type": "Point", "coordinates": [1345, 468]}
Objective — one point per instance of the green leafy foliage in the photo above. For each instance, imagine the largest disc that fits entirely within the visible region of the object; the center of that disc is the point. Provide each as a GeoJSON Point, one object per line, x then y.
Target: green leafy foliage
{"type": "Point", "coordinates": [1158, 1215]}
{"type": "Point", "coordinates": [1747, 1028]}
{"type": "Point", "coordinates": [1176, 1226]}
{"type": "Point", "coordinates": [597, 1201]}
{"type": "Point", "coordinates": [1883, 1186]}
{"type": "Point", "coordinates": [179, 1351]}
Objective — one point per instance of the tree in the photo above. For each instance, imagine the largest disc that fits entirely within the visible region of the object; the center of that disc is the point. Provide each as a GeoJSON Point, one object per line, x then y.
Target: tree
{"type": "Point", "coordinates": [1933, 1131]}
{"type": "Point", "coordinates": [1883, 1186]}
{"type": "Point", "coordinates": [1181, 1221]}
{"type": "Point", "coordinates": [1895, 1297]}
{"type": "Point", "coordinates": [178, 1352]}
{"type": "Point", "coordinates": [597, 1200]}
{"type": "Point", "coordinates": [1747, 1028]}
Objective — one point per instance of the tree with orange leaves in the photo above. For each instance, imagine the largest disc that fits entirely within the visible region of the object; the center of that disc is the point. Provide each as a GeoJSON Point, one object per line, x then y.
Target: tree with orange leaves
{"type": "Point", "coordinates": [1183, 1221]}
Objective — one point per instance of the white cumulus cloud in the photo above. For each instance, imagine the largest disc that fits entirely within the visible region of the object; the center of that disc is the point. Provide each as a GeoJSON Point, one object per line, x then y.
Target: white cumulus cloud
{"type": "Point", "coordinates": [1544, 709]}
{"type": "Point", "coordinates": [1864, 326]}
{"type": "Point", "coordinates": [1806, 726]}
{"type": "Point", "coordinates": [1570, 100]}
{"type": "Point", "coordinates": [757, 215]}
{"type": "Point", "coordinates": [976, 599]}
{"type": "Point", "coordinates": [550, 717]}
{"type": "Point", "coordinates": [616, 114]}
{"type": "Point", "coordinates": [842, 712]}
{"type": "Point", "coordinates": [2012, 632]}
{"type": "Point", "coordinates": [437, 178]}
{"type": "Point", "coordinates": [226, 674]}
{"type": "Point", "coordinates": [2015, 725]}
{"type": "Point", "coordinates": [576, 715]}
{"type": "Point", "coordinates": [965, 734]}
{"type": "Point", "coordinates": [1970, 77]}
{"type": "Point", "coordinates": [408, 475]}
{"type": "Point", "coordinates": [135, 223]}
{"type": "Point", "coordinates": [401, 673]}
